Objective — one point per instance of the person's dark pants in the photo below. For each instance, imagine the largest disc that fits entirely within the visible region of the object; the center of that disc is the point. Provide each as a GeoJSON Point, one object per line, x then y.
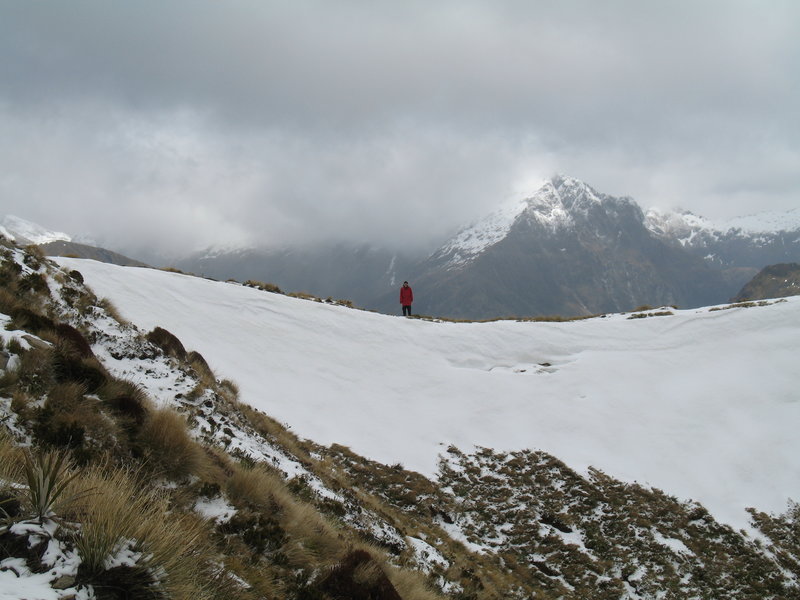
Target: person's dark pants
{"type": "Point", "coordinates": [407, 311]}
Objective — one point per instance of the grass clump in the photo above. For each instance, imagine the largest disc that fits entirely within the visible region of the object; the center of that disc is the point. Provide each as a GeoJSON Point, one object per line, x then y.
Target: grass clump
{"type": "Point", "coordinates": [122, 515]}
{"type": "Point", "coordinates": [128, 401]}
{"type": "Point", "coordinates": [168, 343]}
{"type": "Point", "coordinates": [266, 287]}
{"type": "Point", "coordinates": [69, 365]}
{"type": "Point", "coordinates": [169, 450]}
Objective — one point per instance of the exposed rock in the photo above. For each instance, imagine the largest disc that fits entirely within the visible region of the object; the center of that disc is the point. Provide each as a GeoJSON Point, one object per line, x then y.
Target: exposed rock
{"type": "Point", "coordinates": [774, 281]}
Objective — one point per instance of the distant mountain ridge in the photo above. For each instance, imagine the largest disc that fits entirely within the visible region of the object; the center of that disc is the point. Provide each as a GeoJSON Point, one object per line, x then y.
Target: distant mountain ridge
{"type": "Point", "coordinates": [56, 243]}
{"type": "Point", "coordinates": [753, 241]}
{"type": "Point", "coordinates": [65, 248]}
{"type": "Point", "coordinates": [567, 250]}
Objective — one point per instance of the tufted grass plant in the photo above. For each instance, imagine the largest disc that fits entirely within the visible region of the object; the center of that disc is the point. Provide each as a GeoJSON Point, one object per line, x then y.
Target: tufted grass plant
{"type": "Point", "coordinates": [170, 450]}
{"type": "Point", "coordinates": [123, 512]}
{"type": "Point", "coordinates": [257, 487]}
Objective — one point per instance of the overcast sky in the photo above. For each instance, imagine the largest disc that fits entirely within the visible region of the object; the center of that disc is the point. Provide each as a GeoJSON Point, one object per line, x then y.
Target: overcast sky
{"type": "Point", "coordinates": [188, 123]}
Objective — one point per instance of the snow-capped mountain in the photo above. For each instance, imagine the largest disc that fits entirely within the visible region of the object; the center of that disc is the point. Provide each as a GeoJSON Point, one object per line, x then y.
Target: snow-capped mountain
{"type": "Point", "coordinates": [751, 242]}
{"type": "Point", "coordinates": [561, 203]}
{"type": "Point", "coordinates": [566, 250]}
{"type": "Point", "coordinates": [25, 232]}
{"type": "Point", "coordinates": [569, 249]}
{"type": "Point", "coordinates": [685, 225]}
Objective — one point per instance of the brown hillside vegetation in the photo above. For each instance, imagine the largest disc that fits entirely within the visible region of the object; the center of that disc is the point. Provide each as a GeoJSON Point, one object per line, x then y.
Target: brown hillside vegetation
{"type": "Point", "coordinates": [774, 281]}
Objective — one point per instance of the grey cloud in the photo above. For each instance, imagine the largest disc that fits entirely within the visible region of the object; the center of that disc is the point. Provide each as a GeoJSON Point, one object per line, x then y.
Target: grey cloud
{"type": "Point", "coordinates": [273, 121]}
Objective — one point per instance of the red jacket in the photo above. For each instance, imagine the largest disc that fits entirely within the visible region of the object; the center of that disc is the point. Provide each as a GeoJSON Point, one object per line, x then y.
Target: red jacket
{"type": "Point", "coordinates": [406, 296]}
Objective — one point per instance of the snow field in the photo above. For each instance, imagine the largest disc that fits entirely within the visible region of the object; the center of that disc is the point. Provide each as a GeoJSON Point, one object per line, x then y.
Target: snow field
{"type": "Point", "coordinates": [701, 404]}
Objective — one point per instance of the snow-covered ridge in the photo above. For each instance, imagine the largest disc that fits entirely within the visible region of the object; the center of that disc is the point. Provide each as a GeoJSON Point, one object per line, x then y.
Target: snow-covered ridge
{"type": "Point", "coordinates": [699, 403]}
{"type": "Point", "coordinates": [26, 232]}
{"type": "Point", "coordinates": [685, 225]}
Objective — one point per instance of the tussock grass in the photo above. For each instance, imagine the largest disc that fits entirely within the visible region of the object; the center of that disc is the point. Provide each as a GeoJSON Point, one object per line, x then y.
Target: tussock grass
{"type": "Point", "coordinates": [267, 287]}
{"type": "Point", "coordinates": [128, 400]}
{"type": "Point", "coordinates": [11, 460]}
{"type": "Point", "coordinates": [119, 511]}
{"type": "Point", "coordinates": [70, 336]}
{"type": "Point", "coordinates": [70, 366]}
{"type": "Point", "coordinates": [272, 429]}
{"type": "Point", "coordinates": [200, 366]}
{"type": "Point", "coordinates": [257, 487]}
{"type": "Point", "coordinates": [30, 320]}
{"type": "Point", "coordinates": [8, 300]}
{"type": "Point", "coordinates": [168, 342]}
{"type": "Point", "coordinates": [314, 540]}
{"type": "Point", "coordinates": [35, 373]}
{"type": "Point", "coordinates": [411, 585]}
{"type": "Point", "coordinates": [169, 449]}
{"type": "Point", "coordinates": [230, 387]}
{"type": "Point", "coordinates": [750, 304]}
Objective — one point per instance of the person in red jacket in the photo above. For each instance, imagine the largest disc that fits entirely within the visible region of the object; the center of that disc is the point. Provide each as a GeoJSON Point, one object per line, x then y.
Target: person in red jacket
{"type": "Point", "coordinates": [406, 298]}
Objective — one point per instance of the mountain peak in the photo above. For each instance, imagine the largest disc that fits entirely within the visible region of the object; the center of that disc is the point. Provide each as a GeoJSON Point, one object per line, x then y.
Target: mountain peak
{"type": "Point", "coordinates": [557, 204]}
{"type": "Point", "coordinates": [565, 182]}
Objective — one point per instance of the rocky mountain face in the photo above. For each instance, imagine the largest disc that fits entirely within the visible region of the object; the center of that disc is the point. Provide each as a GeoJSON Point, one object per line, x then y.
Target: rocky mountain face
{"type": "Point", "coordinates": [774, 281]}
{"type": "Point", "coordinates": [567, 250]}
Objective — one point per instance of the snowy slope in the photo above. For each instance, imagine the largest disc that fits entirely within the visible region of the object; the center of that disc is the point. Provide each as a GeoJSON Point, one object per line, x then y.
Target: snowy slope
{"type": "Point", "coordinates": [474, 239]}
{"type": "Point", "coordinates": [702, 404]}
{"type": "Point", "coordinates": [26, 232]}
{"type": "Point", "coordinates": [684, 226]}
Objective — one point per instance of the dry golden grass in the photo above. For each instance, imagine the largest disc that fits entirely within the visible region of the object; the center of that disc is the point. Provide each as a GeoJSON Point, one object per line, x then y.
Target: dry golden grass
{"type": "Point", "coordinates": [201, 368]}
{"type": "Point", "coordinates": [411, 585]}
{"type": "Point", "coordinates": [169, 449]}
{"type": "Point", "coordinates": [8, 301]}
{"type": "Point", "coordinates": [127, 400]}
{"type": "Point", "coordinates": [314, 541]}
{"type": "Point", "coordinates": [12, 459]}
{"type": "Point", "coordinates": [119, 509]}
{"type": "Point", "coordinates": [257, 487]}
{"type": "Point", "coordinates": [231, 389]}
{"type": "Point", "coordinates": [66, 397]}
{"type": "Point", "coordinates": [123, 387]}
